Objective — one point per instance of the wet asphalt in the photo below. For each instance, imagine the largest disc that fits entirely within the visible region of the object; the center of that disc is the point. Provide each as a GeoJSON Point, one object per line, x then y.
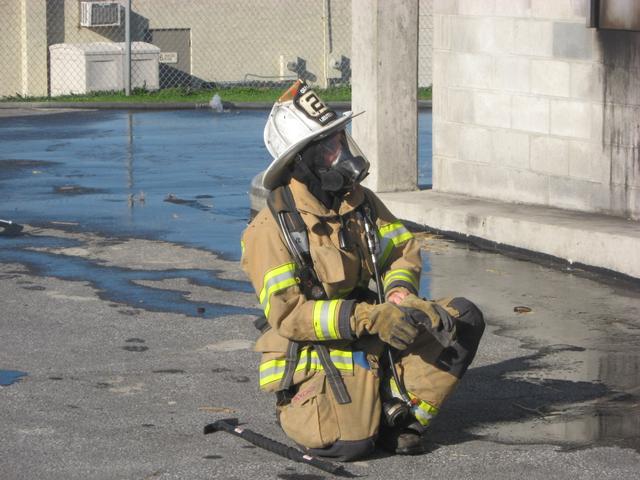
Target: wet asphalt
{"type": "Point", "coordinates": [126, 327]}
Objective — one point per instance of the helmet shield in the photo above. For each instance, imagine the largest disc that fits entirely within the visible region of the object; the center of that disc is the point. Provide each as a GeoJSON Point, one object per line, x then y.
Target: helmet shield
{"type": "Point", "coordinates": [338, 162]}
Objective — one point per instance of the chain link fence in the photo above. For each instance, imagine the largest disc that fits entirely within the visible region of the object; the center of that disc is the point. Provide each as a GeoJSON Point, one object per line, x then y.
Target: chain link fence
{"type": "Point", "coordinates": [53, 48]}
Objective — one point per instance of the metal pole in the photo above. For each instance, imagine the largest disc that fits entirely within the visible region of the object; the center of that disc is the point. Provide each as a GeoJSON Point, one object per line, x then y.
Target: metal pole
{"type": "Point", "coordinates": [325, 40]}
{"type": "Point", "coordinates": [127, 48]}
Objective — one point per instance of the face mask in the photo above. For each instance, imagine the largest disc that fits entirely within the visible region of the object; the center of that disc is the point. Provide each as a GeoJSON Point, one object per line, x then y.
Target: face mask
{"type": "Point", "coordinates": [338, 169]}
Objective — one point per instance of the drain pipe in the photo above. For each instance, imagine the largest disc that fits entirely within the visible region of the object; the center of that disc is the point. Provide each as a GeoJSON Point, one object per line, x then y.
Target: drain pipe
{"type": "Point", "coordinates": [127, 48]}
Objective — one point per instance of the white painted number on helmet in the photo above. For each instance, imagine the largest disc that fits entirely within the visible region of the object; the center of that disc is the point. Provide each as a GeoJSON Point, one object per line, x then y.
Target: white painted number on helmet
{"type": "Point", "coordinates": [313, 106]}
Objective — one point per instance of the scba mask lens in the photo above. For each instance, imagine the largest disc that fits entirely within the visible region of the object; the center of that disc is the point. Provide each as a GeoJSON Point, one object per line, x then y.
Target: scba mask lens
{"type": "Point", "coordinates": [339, 169]}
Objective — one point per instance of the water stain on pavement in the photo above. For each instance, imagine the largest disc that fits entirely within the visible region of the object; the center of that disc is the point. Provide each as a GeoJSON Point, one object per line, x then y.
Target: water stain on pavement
{"type": "Point", "coordinates": [9, 377]}
{"type": "Point", "coordinates": [135, 348]}
{"type": "Point", "coordinates": [76, 190]}
{"type": "Point", "coordinates": [116, 284]}
{"type": "Point", "coordinates": [197, 203]}
{"type": "Point", "coordinates": [13, 167]}
{"type": "Point", "coordinates": [580, 386]}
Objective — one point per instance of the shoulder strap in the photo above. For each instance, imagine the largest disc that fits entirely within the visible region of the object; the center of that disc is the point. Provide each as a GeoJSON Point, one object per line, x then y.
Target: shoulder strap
{"type": "Point", "coordinates": [294, 232]}
{"type": "Point", "coordinates": [369, 204]}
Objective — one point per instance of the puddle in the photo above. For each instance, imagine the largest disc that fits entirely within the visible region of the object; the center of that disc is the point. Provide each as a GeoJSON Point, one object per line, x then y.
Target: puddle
{"type": "Point", "coordinates": [203, 161]}
{"type": "Point", "coordinates": [581, 386]}
{"type": "Point", "coordinates": [584, 416]}
{"type": "Point", "coordinates": [121, 285]}
{"type": "Point", "coordinates": [583, 426]}
{"type": "Point", "coordinates": [9, 377]}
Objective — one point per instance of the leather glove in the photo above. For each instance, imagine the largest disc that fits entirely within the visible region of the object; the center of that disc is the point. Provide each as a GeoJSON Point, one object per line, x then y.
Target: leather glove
{"type": "Point", "coordinates": [437, 321]}
{"type": "Point", "coordinates": [387, 321]}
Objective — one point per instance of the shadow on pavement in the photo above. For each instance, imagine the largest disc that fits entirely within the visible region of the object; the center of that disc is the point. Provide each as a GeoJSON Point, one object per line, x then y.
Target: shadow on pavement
{"type": "Point", "coordinates": [488, 398]}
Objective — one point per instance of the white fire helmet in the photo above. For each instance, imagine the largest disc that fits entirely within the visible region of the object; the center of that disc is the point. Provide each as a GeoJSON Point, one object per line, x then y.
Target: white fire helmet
{"type": "Point", "coordinates": [296, 119]}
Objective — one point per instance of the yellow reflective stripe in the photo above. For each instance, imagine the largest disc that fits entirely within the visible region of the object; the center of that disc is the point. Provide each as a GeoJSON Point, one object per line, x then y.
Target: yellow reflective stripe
{"type": "Point", "coordinates": [325, 319]}
{"type": "Point", "coordinates": [396, 232]}
{"type": "Point", "coordinates": [273, 370]}
{"type": "Point", "coordinates": [276, 279]}
{"type": "Point", "coordinates": [242, 246]}
{"type": "Point", "coordinates": [401, 274]}
{"type": "Point", "coordinates": [391, 235]}
{"type": "Point", "coordinates": [342, 360]}
{"type": "Point", "coordinates": [274, 276]}
{"type": "Point", "coordinates": [424, 412]}
{"type": "Point", "coordinates": [394, 229]}
{"type": "Point", "coordinates": [421, 410]}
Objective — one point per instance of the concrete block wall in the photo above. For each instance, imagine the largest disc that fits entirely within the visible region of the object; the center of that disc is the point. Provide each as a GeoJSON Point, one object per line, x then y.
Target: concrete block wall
{"type": "Point", "coordinates": [532, 106]}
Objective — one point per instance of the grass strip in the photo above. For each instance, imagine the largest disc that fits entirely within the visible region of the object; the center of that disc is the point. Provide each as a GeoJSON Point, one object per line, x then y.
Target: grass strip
{"type": "Point", "coordinates": [183, 94]}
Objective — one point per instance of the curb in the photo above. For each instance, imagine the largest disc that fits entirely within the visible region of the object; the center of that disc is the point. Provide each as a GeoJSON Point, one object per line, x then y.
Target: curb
{"type": "Point", "coordinates": [422, 105]}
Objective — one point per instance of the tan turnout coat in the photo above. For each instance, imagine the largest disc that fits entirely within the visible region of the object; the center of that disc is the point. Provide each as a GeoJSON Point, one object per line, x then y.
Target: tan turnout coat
{"type": "Point", "coordinates": [313, 418]}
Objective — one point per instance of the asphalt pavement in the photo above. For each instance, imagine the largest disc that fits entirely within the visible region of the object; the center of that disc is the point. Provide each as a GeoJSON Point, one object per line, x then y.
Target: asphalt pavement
{"type": "Point", "coordinates": [118, 345]}
{"type": "Point", "coordinates": [118, 389]}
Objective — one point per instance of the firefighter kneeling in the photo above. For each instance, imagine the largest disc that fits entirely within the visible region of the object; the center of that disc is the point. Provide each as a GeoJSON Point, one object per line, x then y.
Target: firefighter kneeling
{"type": "Point", "coordinates": [348, 370]}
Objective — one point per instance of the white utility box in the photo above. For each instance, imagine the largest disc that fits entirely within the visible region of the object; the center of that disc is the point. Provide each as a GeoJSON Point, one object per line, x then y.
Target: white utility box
{"type": "Point", "coordinates": [145, 65]}
{"type": "Point", "coordinates": [80, 68]}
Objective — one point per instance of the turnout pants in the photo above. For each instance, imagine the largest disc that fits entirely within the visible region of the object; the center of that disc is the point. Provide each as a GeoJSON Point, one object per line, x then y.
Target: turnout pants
{"type": "Point", "coordinates": [347, 431]}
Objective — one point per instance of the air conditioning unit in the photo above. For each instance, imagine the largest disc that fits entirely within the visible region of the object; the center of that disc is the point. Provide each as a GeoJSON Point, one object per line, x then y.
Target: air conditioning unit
{"type": "Point", "coordinates": [100, 14]}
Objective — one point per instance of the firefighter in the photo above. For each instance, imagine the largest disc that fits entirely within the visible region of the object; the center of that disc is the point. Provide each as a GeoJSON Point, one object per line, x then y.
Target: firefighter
{"type": "Point", "coordinates": [325, 338]}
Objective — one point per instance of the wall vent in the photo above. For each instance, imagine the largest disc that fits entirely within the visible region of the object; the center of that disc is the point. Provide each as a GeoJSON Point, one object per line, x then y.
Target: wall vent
{"type": "Point", "coordinates": [100, 14]}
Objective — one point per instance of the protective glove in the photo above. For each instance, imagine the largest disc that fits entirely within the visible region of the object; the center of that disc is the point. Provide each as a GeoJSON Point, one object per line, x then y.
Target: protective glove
{"type": "Point", "coordinates": [434, 317]}
{"type": "Point", "coordinates": [387, 321]}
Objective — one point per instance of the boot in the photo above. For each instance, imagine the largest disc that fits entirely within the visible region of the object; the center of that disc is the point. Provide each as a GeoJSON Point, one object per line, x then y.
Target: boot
{"type": "Point", "coordinates": [403, 440]}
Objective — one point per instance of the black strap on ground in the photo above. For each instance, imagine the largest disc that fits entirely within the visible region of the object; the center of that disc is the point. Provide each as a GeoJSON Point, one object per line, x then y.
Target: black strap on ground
{"type": "Point", "coordinates": [230, 425]}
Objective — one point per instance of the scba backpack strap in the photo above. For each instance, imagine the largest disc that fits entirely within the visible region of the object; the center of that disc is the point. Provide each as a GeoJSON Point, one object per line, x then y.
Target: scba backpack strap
{"type": "Point", "coordinates": [294, 232]}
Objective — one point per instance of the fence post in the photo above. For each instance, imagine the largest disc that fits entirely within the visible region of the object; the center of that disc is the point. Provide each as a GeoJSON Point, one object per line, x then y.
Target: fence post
{"type": "Point", "coordinates": [127, 48]}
